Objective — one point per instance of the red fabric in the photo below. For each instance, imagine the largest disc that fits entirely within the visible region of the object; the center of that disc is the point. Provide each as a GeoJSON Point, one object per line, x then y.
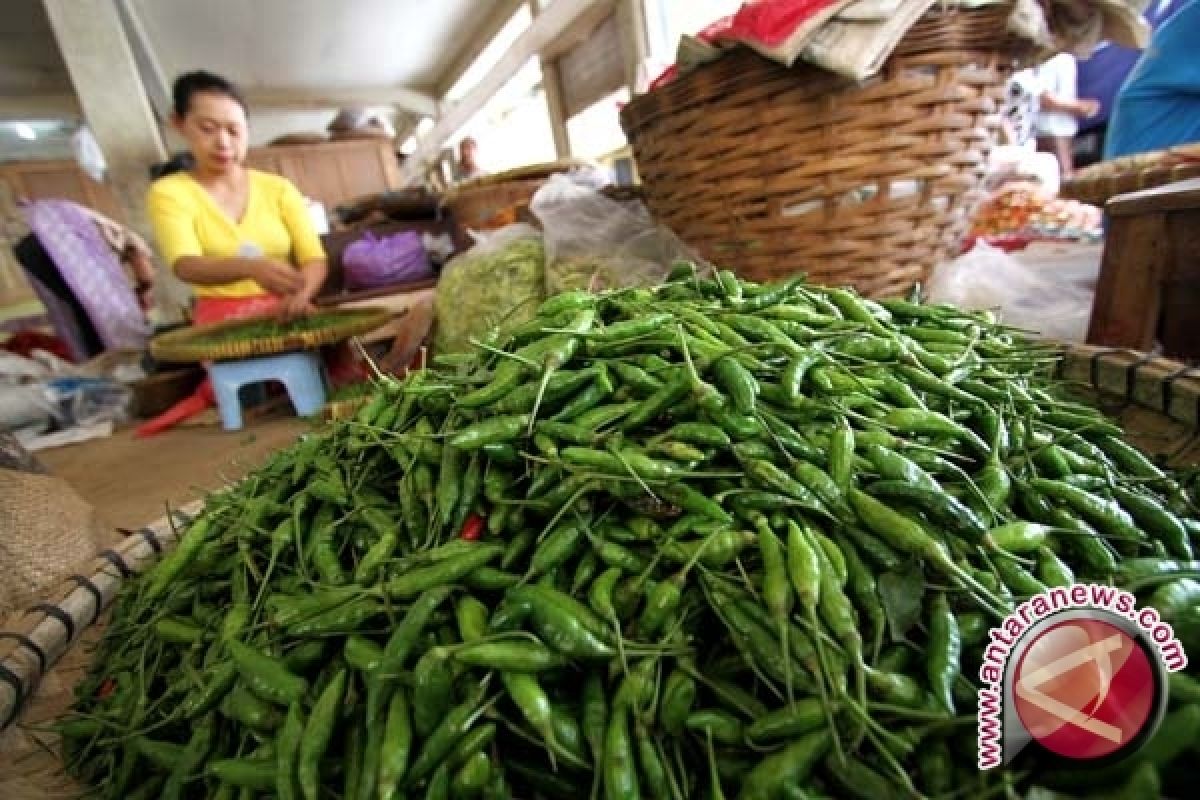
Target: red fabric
{"type": "Point", "coordinates": [765, 22]}
{"type": "Point", "coordinates": [24, 342]}
{"type": "Point", "coordinates": [771, 21]}
{"type": "Point", "coordinates": [220, 309]}
{"type": "Point", "coordinates": [200, 400]}
{"type": "Point", "coordinates": [208, 310]}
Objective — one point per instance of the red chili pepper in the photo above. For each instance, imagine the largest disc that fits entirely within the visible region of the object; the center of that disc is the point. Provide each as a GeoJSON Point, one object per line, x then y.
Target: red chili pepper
{"type": "Point", "coordinates": [472, 529]}
{"type": "Point", "coordinates": [106, 688]}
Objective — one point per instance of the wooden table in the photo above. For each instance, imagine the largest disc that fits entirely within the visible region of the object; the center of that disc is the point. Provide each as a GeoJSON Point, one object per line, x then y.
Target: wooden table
{"type": "Point", "coordinates": [1149, 287]}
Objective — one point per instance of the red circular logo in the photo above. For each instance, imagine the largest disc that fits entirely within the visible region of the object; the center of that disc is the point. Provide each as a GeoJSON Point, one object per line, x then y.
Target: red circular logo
{"type": "Point", "coordinates": [1084, 688]}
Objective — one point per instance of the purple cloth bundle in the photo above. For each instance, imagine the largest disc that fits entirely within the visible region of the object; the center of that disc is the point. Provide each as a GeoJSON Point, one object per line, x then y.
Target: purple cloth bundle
{"type": "Point", "coordinates": [372, 262]}
{"type": "Point", "coordinates": [92, 271]}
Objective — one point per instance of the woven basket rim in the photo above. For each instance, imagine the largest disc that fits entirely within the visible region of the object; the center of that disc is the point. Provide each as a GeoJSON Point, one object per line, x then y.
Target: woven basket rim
{"type": "Point", "coordinates": [180, 346]}
{"type": "Point", "coordinates": [531, 172]}
{"type": "Point", "coordinates": [673, 97]}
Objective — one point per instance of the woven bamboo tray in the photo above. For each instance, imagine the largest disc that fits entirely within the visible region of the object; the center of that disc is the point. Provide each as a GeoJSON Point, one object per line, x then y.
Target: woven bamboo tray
{"type": "Point", "coordinates": [781, 170]}
{"type": "Point", "coordinates": [45, 652]}
{"type": "Point", "coordinates": [343, 409]}
{"type": "Point", "coordinates": [1101, 182]}
{"type": "Point", "coordinates": [189, 344]}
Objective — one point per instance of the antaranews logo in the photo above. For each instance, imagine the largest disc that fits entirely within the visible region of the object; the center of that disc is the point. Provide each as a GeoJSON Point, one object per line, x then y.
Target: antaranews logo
{"type": "Point", "coordinates": [1078, 673]}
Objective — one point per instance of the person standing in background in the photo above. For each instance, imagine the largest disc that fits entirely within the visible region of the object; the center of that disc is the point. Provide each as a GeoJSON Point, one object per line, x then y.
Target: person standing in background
{"type": "Point", "coordinates": [468, 167]}
{"type": "Point", "coordinates": [1103, 75]}
{"type": "Point", "coordinates": [1159, 105]}
{"type": "Point", "coordinates": [1060, 109]}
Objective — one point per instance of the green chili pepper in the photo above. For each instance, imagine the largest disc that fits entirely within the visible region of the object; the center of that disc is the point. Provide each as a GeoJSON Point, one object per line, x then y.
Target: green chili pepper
{"type": "Point", "coordinates": [432, 691]}
{"type": "Point", "coordinates": [787, 723]}
{"type": "Point", "coordinates": [1018, 537]}
{"type": "Point", "coordinates": [1160, 523]}
{"type": "Point", "coordinates": [1105, 514]}
{"type": "Point", "coordinates": [945, 651]}
{"type": "Point", "coordinates": [450, 730]}
{"type": "Point", "coordinates": [318, 733]}
{"type": "Point", "coordinates": [416, 581]}
{"type": "Point", "coordinates": [1051, 570]}
{"type": "Point", "coordinates": [266, 676]}
{"type": "Point", "coordinates": [789, 766]}
{"type": "Point", "coordinates": [514, 656]}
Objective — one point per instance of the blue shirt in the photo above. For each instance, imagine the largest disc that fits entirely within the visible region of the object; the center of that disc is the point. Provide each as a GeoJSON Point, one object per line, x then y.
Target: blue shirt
{"type": "Point", "coordinates": [1101, 76]}
{"type": "Point", "coordinates": [1159, 106]}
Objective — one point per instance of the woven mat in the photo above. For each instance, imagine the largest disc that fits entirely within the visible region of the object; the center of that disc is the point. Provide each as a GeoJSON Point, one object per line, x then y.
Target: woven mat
{"type": "Point", "coordinates": [46, 532]}
{"type": "Point", "coordinates": [31, 766]}
{"type": "Point", "coordinates": [47, 659]}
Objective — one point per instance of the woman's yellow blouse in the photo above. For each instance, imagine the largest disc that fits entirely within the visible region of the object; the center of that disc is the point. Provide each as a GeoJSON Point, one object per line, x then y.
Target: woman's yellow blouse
{"type": "Point", "coordinates": [188, 222]}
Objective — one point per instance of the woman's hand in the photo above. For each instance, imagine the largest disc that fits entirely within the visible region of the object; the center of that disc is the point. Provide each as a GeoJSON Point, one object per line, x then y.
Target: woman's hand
{"type": "Point", "coordinates": [277, 277]}
{"type": "Point", "coordinates": [145, 296]}
{"type": "Point", "coordinates": [1088, 108]}
{"type": "Point", "coordinates": [294, 306]}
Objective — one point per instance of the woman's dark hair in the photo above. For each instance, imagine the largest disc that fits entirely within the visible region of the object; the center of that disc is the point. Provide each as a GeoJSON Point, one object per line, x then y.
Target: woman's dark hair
{"type": "Point", "coordinates": [191, 83]}
{"type": "Point", "coordinates": [179, 162]}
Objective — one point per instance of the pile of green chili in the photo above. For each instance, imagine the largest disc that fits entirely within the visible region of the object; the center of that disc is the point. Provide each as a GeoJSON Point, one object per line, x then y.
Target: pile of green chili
{"type": "Point", "coordinates": [711, 539]}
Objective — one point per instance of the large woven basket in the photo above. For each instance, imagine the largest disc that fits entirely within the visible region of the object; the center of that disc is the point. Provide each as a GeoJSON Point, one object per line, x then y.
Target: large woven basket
{"type": "Point", "coordinates": [197, 343]}
{"type": "Point", "coordinates": [783, 170]}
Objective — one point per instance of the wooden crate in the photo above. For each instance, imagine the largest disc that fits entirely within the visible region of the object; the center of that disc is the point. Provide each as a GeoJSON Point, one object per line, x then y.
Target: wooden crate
{"type": "Point", "coordinates": [1149, 287]}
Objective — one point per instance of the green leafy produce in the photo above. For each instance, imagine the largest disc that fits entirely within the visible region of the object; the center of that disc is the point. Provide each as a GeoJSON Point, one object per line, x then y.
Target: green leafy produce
{"type": "Point", "coordinates": [759, 565]}
{"type": "Point", "coordinates": [492, 285]}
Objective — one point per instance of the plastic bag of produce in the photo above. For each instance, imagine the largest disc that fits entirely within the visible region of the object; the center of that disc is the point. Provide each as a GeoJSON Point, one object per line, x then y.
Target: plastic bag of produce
{"type": "Point", "coordinates": [497, 282]}
{"type": "Point", "coordinates": [594, 242]}
{"type": "Point", "coordinates": [1052, 302]}
{"type": "Point", "coordinates": [375, 261]}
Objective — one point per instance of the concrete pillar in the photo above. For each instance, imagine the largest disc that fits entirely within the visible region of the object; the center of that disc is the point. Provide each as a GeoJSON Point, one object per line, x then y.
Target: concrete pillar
{"type": "Point", "coordinates": [106, 80]}
{"type": "Point", "coordinates": [557, 108]}
{"type": "Point", "coordinates": [105, 76]}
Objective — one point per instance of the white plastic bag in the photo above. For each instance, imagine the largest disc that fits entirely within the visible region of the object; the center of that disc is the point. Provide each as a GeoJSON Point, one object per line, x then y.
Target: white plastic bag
{"type": "Point", "coordinates": [88, 153]}
{"type": "Point", "coordinates": [594, 242]}
{"type": "Point", "coordinates": [25, 408]}
{"type": "Point", "coordinates": [81, 401]}
{"type": "Point", "coordinates": [15, 369]}
{"type": "Point", "coordinates": [1046, 300]}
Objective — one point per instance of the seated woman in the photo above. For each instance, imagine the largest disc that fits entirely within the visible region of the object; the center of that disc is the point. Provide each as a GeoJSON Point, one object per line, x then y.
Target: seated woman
{"type": "Point", "coordinates": [1159, 105]}
{"type": "Point", "coordinates": [242, 239]}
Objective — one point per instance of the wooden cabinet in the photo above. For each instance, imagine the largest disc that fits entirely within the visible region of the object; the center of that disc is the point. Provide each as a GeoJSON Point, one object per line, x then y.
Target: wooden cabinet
{"type": "Point", "coordinates": [42, 180]}
{"type": "Point", "coordinates": [333, 173]}
{"type": "Point", "coordinates": [1149, 287]}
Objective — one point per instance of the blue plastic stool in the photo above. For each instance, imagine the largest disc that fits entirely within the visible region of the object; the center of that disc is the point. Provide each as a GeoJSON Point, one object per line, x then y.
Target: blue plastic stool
{"type": "Point", "coordinates": [300, 373]}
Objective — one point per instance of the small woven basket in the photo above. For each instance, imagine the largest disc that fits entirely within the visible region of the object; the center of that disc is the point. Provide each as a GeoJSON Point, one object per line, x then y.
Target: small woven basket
{"type": "Point", "coordinates": [1101, 182]}
{"type": "Point", "coordinates": [781, 170]}
{"type": "Point", "coordinates": [196, 343]}
{"type": "Point", "coordinates": [493, 201]}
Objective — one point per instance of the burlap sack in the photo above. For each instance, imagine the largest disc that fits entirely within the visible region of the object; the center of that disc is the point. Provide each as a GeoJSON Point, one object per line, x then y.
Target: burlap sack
{"type": "Point", "coordinates": [47, 532]}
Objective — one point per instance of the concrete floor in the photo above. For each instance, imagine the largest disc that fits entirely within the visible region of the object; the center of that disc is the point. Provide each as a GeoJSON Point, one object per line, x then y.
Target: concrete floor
{"type": "Point", "coordinates": [132, 481]}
